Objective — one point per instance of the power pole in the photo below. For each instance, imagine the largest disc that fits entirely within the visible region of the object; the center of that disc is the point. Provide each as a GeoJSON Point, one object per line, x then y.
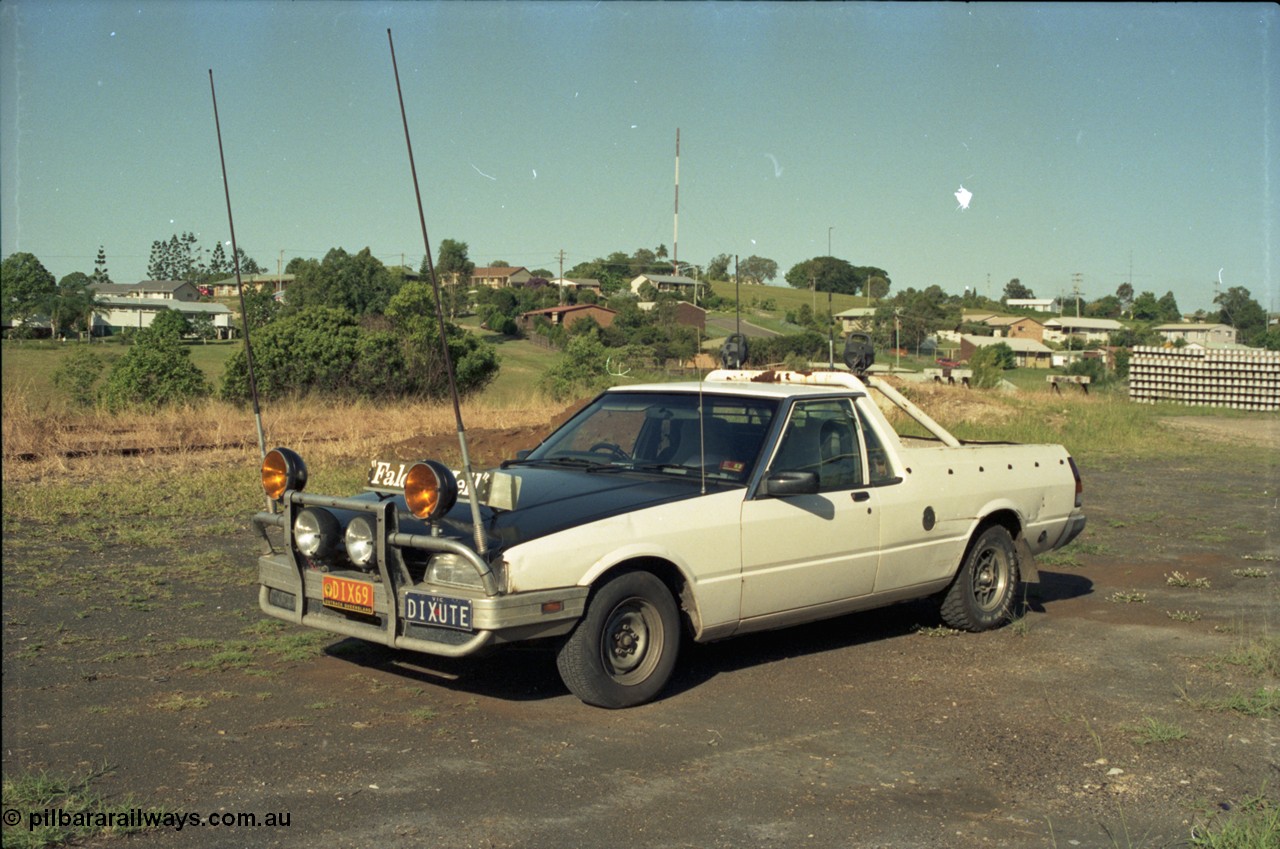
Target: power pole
{"type": "Point", "coordinates": [562, 277]}
{"type": "Point", "coordinates": [1077, 279]}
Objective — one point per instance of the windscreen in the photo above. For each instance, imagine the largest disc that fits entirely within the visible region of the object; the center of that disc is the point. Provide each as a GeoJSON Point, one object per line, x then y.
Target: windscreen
{"type": "Point", "coordinates": [667, 433]}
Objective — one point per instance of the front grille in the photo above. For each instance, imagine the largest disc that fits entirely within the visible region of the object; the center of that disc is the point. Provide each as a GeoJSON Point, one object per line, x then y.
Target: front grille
{"type": "Point", "coordinates": [447, 636]}
{"type": "Point", "coordinates": [282, 599]}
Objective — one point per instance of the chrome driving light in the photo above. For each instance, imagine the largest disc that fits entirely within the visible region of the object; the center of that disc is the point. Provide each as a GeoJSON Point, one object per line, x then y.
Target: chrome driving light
{"type": "Point", "coordinates": [362, 548]}
{"type": "Point", "coordinates": [316, 533]}
{"type": "Point", "coordinates": [282, 470]}
{"type": "Point", "coordinates": [430, 490]}
{"type": "Point", "coordinates": [453, 570]}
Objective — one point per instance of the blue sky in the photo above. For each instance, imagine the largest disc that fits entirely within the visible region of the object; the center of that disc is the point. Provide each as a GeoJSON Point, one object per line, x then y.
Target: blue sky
{"type": "Point", "coordinates": [1090, 136]}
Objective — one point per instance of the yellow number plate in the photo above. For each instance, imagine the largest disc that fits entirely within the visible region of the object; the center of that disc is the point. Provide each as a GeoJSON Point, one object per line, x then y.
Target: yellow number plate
{"type": "Point", "coordinates": [344, 594]}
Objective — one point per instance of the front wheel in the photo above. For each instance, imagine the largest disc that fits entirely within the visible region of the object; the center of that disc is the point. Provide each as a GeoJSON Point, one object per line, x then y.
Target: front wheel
{"type": "Point", "coordinates": [983, 594]}
{"type": "Point", "coordinates": [623, 650]}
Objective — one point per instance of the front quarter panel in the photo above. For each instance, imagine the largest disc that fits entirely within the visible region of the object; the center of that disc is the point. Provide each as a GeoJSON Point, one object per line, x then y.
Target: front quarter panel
{"type": "Point", "coordinates": [700, 537]}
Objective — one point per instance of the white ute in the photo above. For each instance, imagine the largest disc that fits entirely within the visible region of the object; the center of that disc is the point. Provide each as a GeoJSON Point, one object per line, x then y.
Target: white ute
{"type": "Point", "coordinates": [743, 502]}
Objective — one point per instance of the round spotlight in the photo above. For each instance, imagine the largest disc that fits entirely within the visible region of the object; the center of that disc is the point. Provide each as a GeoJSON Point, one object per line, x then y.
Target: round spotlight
{"type": "Point", "coordinates": [361, 547]}
{"type": "Point", "coordinates": [282, 470]}
{"type": "Point", "coordinates": [430, 490]}
{"type": "Point", "coordinates": [315, 533]}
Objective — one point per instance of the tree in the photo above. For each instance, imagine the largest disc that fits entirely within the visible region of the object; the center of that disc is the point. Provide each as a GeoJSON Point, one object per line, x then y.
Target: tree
{"type": "Point", "coordinates": [70, 300]}
{"type": "Point", "coordinates": [1237, 308]}
{"type": "Point", "coordinates": [454, 269]}
{"type": "Point", "coordinates": [25, 287]}
{"type": "Point", "coordinates": [170, 324]}
{"type": "Point", "coordinates": [1014, 290]}
{"type": "Point", "coordinates": [830, 274]}
{"type": "Point", "coordinates": [155, 372]}
{"type": "Point", "coordinates": [100, 273]}
{"type": "Point", "coordinates": [718, 267]}
{"type": "Point", "coordinates": [1167, 308]}
{"type": "Point", "coordinates": [758, 270]}
{"type": "Point", "coordinates": [1124, 293]}
{"type": "Point", "coordinates": [260, 306]}
{"type": "Point", "coordinates": [1108, 306]}
{"type": "Point", "coordinates": [219, 265]}
{"type": "Point", "coordinates": [357, 283]}
{"type": "Point", "coordinates": [1145, 307]}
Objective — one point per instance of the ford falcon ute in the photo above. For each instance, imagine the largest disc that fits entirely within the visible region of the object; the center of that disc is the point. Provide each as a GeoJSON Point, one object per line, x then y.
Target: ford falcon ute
{"type": "Point", "coordinates": [702, 510]}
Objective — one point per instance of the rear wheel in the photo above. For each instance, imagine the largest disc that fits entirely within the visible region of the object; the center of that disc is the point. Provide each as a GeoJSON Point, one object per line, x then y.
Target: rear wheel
{"type": "Point", "coordinates": [623, 650]}
{"type": "Point", "coordinates": [982, 595]}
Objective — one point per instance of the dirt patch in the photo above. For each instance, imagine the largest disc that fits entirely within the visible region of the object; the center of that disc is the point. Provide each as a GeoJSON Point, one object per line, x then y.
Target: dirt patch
{"type": "Point", "coordinates": [878, 729]}
{"type": "Point", "coordinates": [1242, 432]}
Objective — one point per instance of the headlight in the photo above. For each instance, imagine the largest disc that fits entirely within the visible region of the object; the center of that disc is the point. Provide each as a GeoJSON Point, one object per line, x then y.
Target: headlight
{"type": "Point", "coordinates": [282, 469]}
{"type": "Point", "coordinates": [430, 490]}
{"type": "Point", "coordinates": [453, 570]}
{"type": "Point", "coordinates": [316, 533]}
{"type": "Point", "coordinates": [361, 547]}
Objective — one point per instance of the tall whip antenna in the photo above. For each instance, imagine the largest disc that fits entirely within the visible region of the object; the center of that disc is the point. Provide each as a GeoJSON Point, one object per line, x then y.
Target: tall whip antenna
{"type": "Point", "coordinates": [468, 477]}
{"type": "Point", "coordinates": [244, 315]}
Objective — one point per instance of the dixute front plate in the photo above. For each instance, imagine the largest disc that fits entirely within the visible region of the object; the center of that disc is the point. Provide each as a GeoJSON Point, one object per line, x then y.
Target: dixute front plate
{"type": "Point", "coordinates": [443, 612]}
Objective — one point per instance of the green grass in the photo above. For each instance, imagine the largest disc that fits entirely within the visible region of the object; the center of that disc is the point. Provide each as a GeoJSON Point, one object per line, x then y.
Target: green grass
{"type": "Point", "coordinates": [1152, 730]}
{"type": "Point", "coordinates": [1252, 824]}
{"type": "Point", "coordinates": [35, 793]}
{"type": "Point", "coordinates": [29, 365]}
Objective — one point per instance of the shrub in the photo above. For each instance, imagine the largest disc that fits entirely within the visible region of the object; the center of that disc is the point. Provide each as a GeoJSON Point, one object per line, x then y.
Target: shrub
{"type": "Point", "coordinates": [77, 376]}
{"type": "Point", "coordinates": [581, 371]}
{"type": "Point", "coordinates": [322, 349]}
{"type": "Point", "coordinates": [156, 372]}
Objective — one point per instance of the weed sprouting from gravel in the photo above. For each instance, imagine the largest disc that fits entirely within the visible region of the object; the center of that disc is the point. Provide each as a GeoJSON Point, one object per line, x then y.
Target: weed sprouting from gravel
{"type": "Point", "coordinates": [1152, 730]}
{"type": "Point", "coordinates": [1177, 579]}
{"type": "Point", "coordinates": [1128, 597]}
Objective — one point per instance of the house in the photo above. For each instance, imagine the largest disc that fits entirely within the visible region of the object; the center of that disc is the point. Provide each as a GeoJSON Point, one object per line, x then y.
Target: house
{"type": "Point", "coordinates": [1016, 327]}
{"type": "Point", "coordinates": [276, 283]}
{"type": "Point", "coordinates": [686, 286]}
{"type": "Point", "coordinates": [1087, 329]}
{"type": "Point", "coordinates": [166, 290]}
{"type": "Point", "coordinates": [567, 316]}
{"type": "Point", "coordinates": [578, 285]}
{"type": "Point", "coordinates": [856, 319]}
{"type": "Point", "coordinates": [154, 290]}
{"type": "Point", "coordinates": [115, 314]}
{"type": "Point", "coordinates": [1033, 304]}
{"type": "Point", "coordinates": [500, 277]}
{"type": "Point", "coordinates": [1208, 335]}
{"type": "Point", "coordinates": [1027, 353]}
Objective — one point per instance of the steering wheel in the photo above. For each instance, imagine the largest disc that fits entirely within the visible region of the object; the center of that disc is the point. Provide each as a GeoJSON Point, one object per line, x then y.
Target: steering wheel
{"type": "Point", "coordinates": [614, 451]}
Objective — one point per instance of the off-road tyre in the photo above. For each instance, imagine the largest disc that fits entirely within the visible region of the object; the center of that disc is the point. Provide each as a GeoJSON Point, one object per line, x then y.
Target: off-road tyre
{"type": "Point", "coordinates": [985, 590]}
{"type": "Point", "coordinates": [624, 648]}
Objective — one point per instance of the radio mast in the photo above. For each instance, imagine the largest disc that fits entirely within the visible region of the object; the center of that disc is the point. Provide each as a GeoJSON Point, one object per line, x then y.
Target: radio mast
{"type": "Point", "coordinates": [675, 238]}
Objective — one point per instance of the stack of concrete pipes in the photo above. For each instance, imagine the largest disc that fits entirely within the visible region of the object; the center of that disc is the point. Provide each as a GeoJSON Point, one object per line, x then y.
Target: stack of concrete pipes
{"type": "Point", "coordinates": [1236, 379]}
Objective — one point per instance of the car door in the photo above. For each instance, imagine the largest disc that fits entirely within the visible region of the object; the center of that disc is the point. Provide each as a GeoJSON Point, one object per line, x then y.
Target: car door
{"type": "Point", "coordinates": [816, 548]}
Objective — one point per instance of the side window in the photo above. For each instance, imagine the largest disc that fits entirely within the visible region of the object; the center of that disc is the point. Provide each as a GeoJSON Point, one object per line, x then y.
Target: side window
{"type": "Point", "coordinates": [879, 471]}
{"type": "Point", "coordinates": [821, 437]}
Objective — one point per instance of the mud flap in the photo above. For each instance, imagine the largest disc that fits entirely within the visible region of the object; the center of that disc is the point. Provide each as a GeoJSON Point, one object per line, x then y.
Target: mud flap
{"type": "Point", "coordinates": [1027, 569]}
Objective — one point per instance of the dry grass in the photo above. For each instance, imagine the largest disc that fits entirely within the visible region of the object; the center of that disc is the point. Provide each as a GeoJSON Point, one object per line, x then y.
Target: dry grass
{"type": "Point", "coordinates": [40, 441]}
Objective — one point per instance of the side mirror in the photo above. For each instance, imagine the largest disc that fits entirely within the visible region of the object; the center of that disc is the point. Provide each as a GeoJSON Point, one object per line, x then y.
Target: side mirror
{"type": "Point", "coordinates": [782, 484]}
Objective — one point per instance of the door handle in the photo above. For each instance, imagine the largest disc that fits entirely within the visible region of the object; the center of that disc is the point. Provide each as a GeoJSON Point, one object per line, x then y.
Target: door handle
{"type": "Point", "coordinates": [862, 495]}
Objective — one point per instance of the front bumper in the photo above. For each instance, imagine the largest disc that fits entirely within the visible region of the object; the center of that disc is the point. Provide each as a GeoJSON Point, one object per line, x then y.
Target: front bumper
{"type": "Point", "coordinates": [291, 590]}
